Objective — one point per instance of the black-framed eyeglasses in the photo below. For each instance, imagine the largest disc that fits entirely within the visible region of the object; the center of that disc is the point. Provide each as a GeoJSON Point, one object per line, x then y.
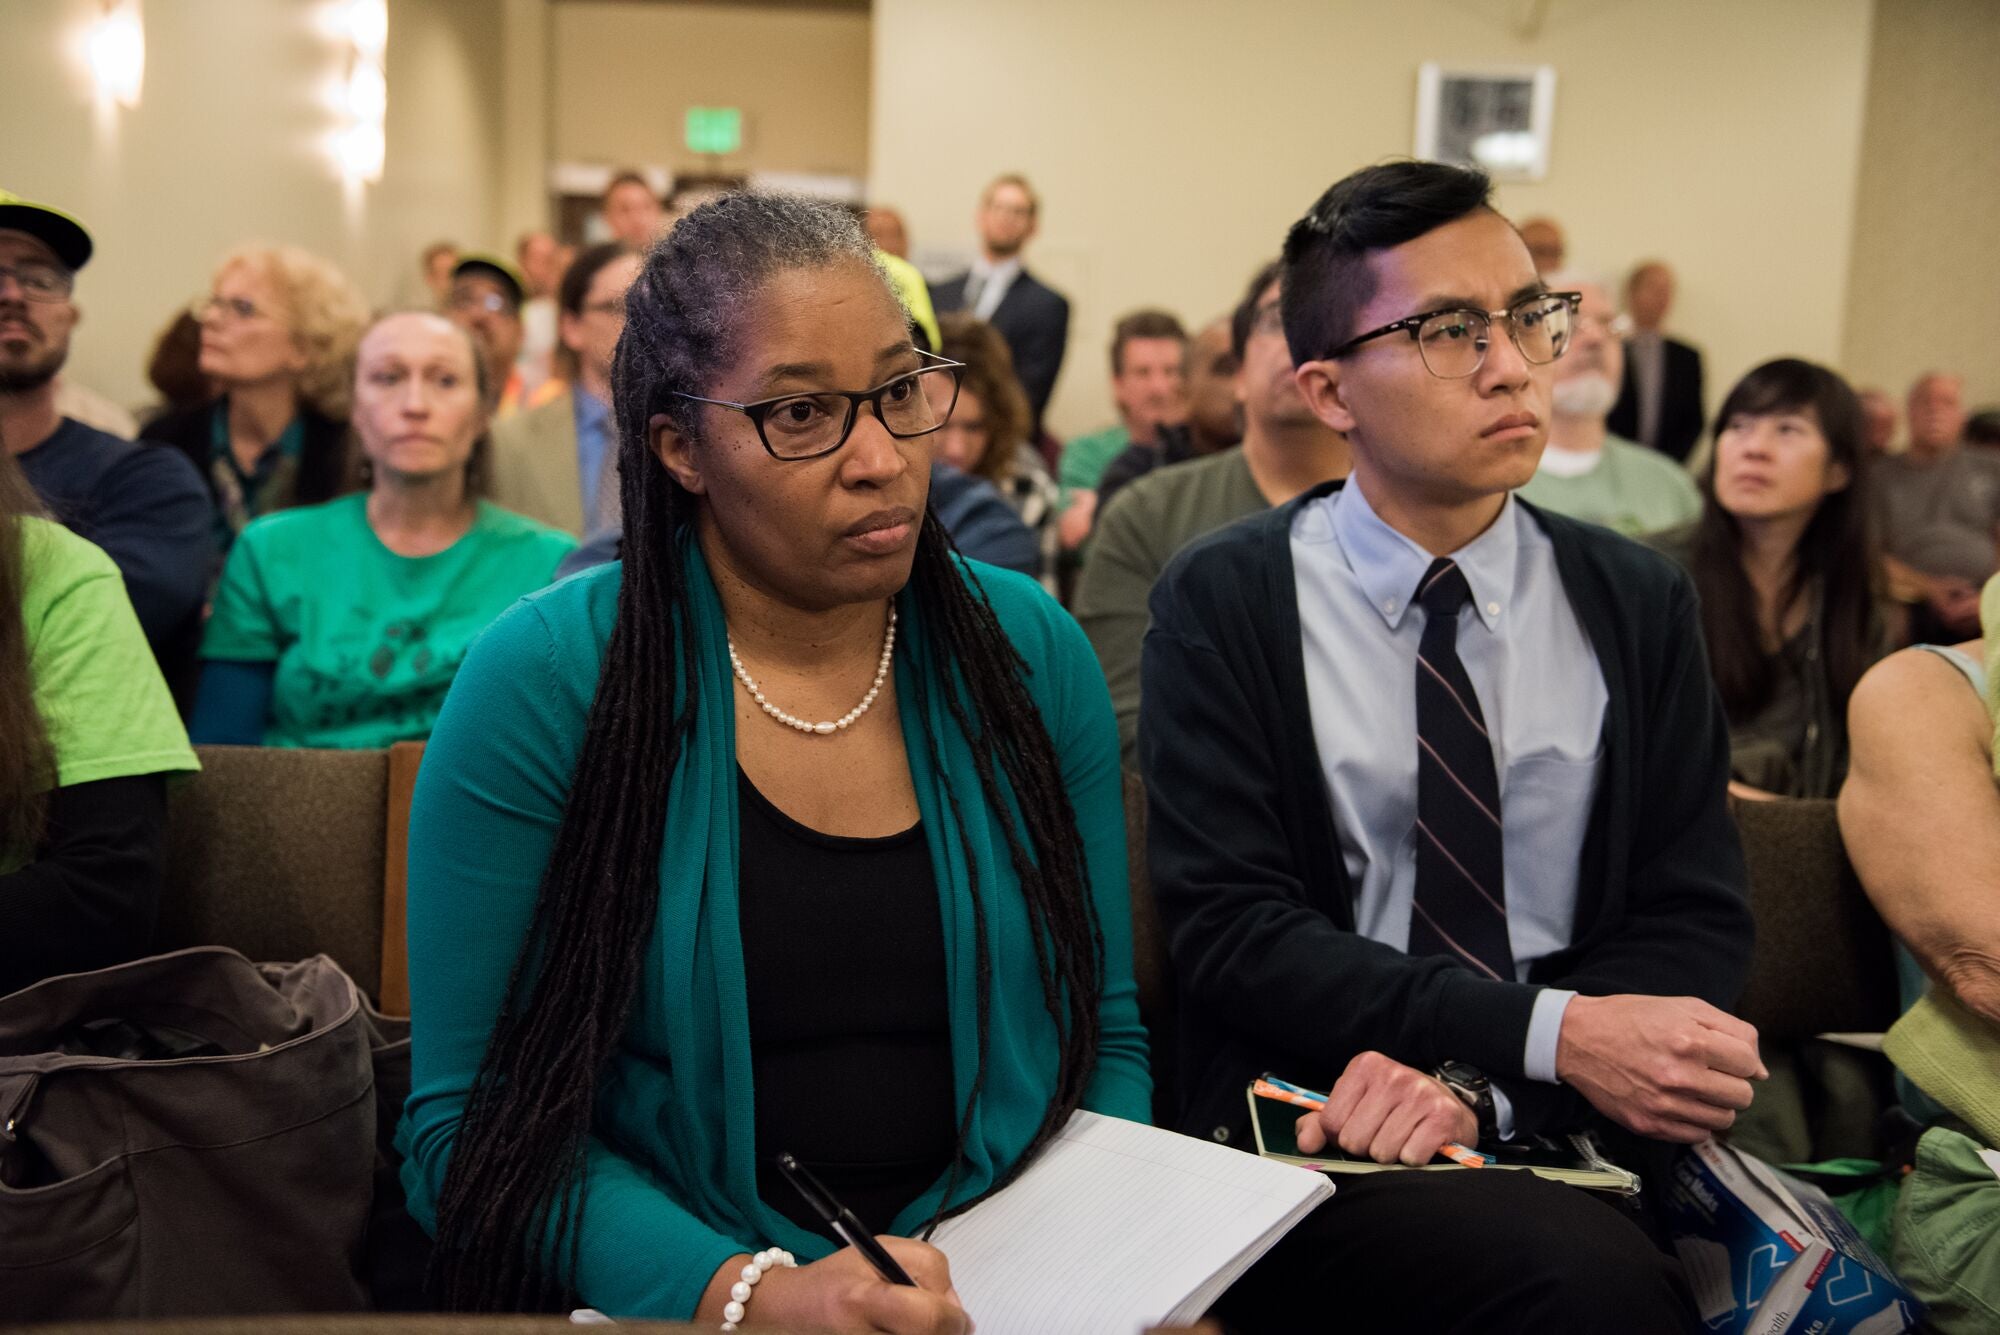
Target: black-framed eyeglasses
{"type": "Point", "coordinates": [39, 281]}
{"type": "Point", "coordinates": [1453, 343]}
{"type": "Point", "coordinates": [796, 427]}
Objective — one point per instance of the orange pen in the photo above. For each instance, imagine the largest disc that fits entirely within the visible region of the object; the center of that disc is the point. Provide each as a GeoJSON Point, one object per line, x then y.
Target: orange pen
{"type": "Point", "coordinates": [1463, 1155]}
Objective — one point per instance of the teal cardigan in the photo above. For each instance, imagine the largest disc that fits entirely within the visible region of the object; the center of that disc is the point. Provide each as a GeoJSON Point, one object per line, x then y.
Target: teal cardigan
{"type": "Point", "coordinates": [678, 1196]}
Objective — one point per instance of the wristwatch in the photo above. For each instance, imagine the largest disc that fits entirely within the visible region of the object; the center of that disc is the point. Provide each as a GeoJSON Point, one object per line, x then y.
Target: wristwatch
{"type": "Point", "coordinates": [1469, 1083]}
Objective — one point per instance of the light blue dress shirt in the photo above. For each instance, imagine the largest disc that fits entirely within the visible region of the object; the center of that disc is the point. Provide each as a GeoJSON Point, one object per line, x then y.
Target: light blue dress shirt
{"type": "Point", "coordinates": [1540, 691]}
{"type": "Point", "coordinates": [593, 435]}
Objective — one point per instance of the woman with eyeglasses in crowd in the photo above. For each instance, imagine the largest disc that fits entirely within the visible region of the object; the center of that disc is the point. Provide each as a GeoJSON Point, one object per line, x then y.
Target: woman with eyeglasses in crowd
{"type": "Point", "coordinates": [1784, 559]}
{"type": "Point", "coordinates": [793, 831]}
{"type": "Point", "coordinates": [278, 331]}
{"type": "Point", "coordinates": [342, 624]}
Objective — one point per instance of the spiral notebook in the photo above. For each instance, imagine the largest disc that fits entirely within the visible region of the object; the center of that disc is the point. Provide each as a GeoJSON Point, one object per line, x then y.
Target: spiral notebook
{"type": "Point", "coordinates": [1119, 1226]}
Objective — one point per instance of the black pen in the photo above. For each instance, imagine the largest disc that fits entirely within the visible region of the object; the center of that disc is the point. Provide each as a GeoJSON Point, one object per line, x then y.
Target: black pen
{"type": "Point", "coordinates": [842, 1221]}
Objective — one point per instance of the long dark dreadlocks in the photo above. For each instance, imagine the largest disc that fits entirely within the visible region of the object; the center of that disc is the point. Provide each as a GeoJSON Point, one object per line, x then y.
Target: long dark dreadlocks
{"type": "Point", "coordinates": [507, 1213]}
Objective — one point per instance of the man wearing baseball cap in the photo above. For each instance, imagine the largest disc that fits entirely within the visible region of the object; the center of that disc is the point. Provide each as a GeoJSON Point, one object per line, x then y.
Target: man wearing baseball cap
{"type": "Point", "coordinates": [145, 506]}
{"type": "Point", "coordinates": [485, 298]}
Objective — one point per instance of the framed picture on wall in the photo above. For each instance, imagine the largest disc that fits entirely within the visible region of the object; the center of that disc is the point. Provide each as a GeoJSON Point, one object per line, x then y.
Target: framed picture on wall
{"type": "Point", "coordinates": [1496, 118]}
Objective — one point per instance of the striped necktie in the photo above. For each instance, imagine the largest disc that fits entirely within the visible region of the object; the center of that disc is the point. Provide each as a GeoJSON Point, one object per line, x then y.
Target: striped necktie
{"type": "Point", "coordinates": [1460, 906]}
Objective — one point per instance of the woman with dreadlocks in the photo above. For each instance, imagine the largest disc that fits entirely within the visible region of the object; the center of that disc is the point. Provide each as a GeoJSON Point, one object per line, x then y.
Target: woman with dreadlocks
{"type": "Point", "coordinates": [793, 832]}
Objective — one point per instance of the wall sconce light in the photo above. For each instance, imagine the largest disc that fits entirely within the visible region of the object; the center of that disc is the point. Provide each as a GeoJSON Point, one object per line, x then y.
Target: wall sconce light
{"type": "Point", "coordinates": [116, 49]}
{"type": "Point", "coordinates": [360, 145]}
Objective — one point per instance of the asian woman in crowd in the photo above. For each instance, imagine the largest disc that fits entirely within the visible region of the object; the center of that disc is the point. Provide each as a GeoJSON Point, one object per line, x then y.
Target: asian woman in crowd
{"type": "Point", "coordinates": [1784, 561]}
{"type": "Point", "coordinates": [342, 624]}
{"type": "Point", "coordinates": [278, 331]}
{"type": "Point", "coordinates": [791, 831]}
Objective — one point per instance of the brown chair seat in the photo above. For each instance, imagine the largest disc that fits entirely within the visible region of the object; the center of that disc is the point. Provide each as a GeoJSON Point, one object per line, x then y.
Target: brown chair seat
{"type": "Point", "coordinates": [279, 854]}
{"type": "Point", "coordinates": [1824, 960]}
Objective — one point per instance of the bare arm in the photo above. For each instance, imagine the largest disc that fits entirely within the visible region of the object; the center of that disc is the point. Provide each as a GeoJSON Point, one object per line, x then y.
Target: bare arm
{"type": "Point", "coordinates": [1920, 815]}
{"type": "Point", "coordinates": [1073, 525]}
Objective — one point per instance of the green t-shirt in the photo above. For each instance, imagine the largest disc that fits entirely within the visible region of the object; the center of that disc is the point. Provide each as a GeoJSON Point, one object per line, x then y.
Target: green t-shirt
{"type": "Point", "coordinates": [1084, 460]}
{"type": "Point", "coordinates": [97, 688]}
{"type": "Point", "coordinates": [366, 642]}
{"type": "Point", "coordinates": [1632, 490]}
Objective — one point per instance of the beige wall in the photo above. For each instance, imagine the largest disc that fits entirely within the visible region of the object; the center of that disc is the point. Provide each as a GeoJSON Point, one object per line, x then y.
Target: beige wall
{"type": "Point", "coordinates": [1924, 290]}
{"type": "Point", "coordinates": [225, 146]}
{"type": "Point", "coordinates": [625, 75]}
{"type": "Point", "coordinates": [526, 60]}
{"type": "Point", "coordinates": [1174, 141]}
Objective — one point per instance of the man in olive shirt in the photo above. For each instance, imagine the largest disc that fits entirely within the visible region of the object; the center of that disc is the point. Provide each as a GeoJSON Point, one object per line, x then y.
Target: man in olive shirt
{"type": "Point", "coordinates": [1285, 450]}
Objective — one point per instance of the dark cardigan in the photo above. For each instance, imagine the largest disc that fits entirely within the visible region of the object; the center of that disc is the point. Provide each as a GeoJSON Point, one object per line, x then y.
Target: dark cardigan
{"type": "Point", "coordinates": [322, 471]}
{"type": "Point", "coordinates": [1245, 859]}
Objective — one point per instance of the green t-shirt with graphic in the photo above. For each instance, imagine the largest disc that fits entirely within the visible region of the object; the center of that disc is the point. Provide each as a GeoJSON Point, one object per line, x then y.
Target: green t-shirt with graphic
{"type": "Point", "coordinates": [366, 642]}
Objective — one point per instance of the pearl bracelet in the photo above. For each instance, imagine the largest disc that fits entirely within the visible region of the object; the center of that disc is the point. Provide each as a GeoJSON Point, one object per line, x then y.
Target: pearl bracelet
{"type": "Point", "coordinates": [739, 1292]}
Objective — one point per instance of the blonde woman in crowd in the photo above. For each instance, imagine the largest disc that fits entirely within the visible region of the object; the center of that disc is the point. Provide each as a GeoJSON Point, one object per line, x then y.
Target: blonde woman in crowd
{"type": "Point", "coordinates": [278, 332]}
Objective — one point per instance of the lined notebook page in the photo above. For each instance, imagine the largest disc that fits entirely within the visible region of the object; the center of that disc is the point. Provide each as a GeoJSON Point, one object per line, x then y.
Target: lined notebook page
{"type": "Point", "coordinates": [1119, 1226]}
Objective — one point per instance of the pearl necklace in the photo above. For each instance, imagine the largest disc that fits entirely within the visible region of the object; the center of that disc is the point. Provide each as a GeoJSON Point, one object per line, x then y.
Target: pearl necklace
{"type": "Point", "coordinates": [836, 725]}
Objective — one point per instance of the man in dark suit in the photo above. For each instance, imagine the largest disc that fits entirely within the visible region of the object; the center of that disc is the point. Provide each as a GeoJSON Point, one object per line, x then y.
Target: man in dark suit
{"type": "Point", "coordinates": [1337, 693]}
{"type": "Point", "coordinates": [1032, 316]}
{"type": "Point", "coordinates": [1660, 403]}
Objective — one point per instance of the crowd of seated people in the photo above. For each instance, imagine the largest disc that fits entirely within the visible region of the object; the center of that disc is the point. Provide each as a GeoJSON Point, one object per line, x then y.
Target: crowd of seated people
{"type": "Point", "coordinates": [774, 673]}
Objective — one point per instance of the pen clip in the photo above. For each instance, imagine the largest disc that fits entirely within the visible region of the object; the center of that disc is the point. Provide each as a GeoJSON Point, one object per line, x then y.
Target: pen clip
{"type": "Point", "coordinates": [810, 1187]}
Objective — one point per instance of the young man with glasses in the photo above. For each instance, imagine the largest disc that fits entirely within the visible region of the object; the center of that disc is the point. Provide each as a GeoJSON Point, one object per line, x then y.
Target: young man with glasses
{"type": "Point", "coordinates": [1437, 821]}
{"type": "Point", "coordinates": [146, 507]}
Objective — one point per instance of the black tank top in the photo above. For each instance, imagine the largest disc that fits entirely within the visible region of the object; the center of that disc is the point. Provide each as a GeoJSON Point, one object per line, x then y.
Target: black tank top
{"type": "Point", "coordinates": [850, 1027]}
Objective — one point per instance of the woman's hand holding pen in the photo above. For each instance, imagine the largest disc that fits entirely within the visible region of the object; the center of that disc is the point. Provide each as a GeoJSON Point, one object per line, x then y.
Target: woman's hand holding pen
{"type": "Point", "coordinates": [1388, 1111]}
{"type": "Point", "coordinates": [844, 1293]}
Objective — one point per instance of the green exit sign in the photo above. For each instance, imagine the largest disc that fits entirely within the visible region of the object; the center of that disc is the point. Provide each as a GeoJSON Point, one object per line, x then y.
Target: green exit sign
{"type": "Point", "coordinates": [714, 129]}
